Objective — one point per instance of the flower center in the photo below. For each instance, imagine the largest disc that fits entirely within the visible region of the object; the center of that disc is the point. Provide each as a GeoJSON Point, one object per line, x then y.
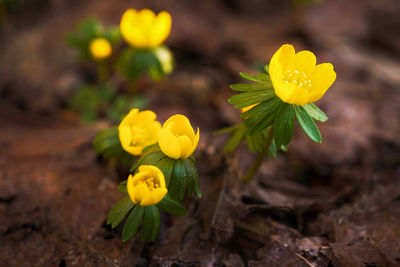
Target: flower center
{"type": "Point", "coordinates": [138, 134]}
{"type": "Point", "coordinates": [298, 78]}
{"type": "Point", "coordinates": [150, 182]}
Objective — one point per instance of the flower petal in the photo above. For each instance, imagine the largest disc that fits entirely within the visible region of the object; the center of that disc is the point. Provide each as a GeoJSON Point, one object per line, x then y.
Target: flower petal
{"type": "Point", "coordinates": [128, 119]}
{"type": "Point", "coordinates": [141, 191]}
{"type": "Point", "coordinates": [169, 143]}
{"type": "Point", "coordinates": [195, 143]}
{"type": "Point", "coordinates": [186, 145]}
{"type": "Point", "coordinates": [161, 28]}
{"type": "Point", "coordinates": [303, 61]}
{"type": "Point", "coordinates": [321, 79]}
{"type": "Point", "coordinates": [129, 187]}
{"type": "Point", "coordinates": [154, 197]}
{"type": "Point", "coordinates": [180, 125]}
{"type": "Point", "coordinates": [279, 61]}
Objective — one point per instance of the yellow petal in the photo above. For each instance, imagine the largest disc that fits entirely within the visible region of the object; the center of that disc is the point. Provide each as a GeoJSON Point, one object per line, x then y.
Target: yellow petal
{"type": "Point", "coordinates": [126, 26]}
{"type": "Point", "coordinates": [304, 61]}
{"type": "Point", "coordinates": [185, 144]}
{"type": "Point", "coordinates": [129, 187]}
{"type": "Point", "coordinates": [321, 79]}
{"type": "Point", "coordinates": [146, 115]}
{"type": "Point", "coordinates": [279, 61]}
{"type": "Point", "coordinates": [154, 197]}
{"type": "Point", "coordinates": [128, 119]}
{"type": "Point", "coordinates": [180, 125]}
{"type": "Point", "coordinates": [195, 143]}
{"type": "Point", "coordinates": [141, 191]}
{"type": "Point", "coordinates": [161, 28]}
{"type": "Point", "coordinates": [169, 143]}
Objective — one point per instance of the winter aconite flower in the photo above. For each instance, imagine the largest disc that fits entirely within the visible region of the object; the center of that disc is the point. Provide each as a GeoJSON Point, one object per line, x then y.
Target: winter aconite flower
{"type": "Point", "coordinates": [296, 78]}
{"type": "Point", "coordinates": [137, 130]}
{"type": "Point", "coordinates": [144, 29]}
{"type": "Point", "coordinates": [147, 187]}
{"type": "Point", "coordinates": [177, 138]}
{"type": "Point", "coordinates": [100, 48]}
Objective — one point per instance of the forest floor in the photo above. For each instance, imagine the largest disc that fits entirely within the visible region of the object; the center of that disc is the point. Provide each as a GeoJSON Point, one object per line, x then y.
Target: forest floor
{"type": "Point", "coordinates": [330, 204]}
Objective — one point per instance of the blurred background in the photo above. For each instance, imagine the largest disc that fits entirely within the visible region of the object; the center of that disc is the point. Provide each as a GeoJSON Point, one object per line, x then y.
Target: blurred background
{"type": "Point", "coordinates": [330, 204]}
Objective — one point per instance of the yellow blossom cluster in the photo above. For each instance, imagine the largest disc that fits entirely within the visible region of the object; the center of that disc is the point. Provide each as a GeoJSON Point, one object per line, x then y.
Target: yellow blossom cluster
{"type": "Point", "coordinates": [176, 139]}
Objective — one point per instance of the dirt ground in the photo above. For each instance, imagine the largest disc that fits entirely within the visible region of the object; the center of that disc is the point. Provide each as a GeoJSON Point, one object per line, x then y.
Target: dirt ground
{"type": "Point", "coordinates": [330, 204]}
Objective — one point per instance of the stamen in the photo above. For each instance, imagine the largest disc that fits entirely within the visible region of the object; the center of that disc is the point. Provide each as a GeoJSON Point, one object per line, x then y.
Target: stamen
{"type": "Point", "coordinates": [298, 78]}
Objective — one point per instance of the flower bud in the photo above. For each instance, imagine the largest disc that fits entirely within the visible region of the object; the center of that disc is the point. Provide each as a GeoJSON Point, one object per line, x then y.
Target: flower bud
{"type": "Point", "coordinates": [177, 138]}
{"type": "Point", "coordinates": [100, 48]}
{"type": "Point", "coordinates": [137, 130]}
{"type": "Point", "coordinates": [144, 29]}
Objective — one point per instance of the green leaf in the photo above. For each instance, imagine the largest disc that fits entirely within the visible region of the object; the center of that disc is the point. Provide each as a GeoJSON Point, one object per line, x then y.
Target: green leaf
{"type": "Point", "coordinates": [192, 175]}
{"type": "Point", "coordinates": [246, 87]}
{"type": "Point", "coordinates": [166, 165]}
{"type": "Point", "coordinates": [227, 129]}
{"type": "Point", "coordinates": [266, 68]}
{"type": "Point", "coordinates": [177, 185]}
{"type": "Point", "coordinates": [235, 140]}
{"type": "Point", "coordinates": [155, 62]}
{"type": "Point", "coordinates": [260, 118]}
{"type": "Point", "coordinates": [151, 223]}
{"type": "Point", "coordinates": [167, 204]}
{"type": "Point", "coordinates": [315, 112]}
{"type": "Point", "coordinates": [118, 212]}
{"type": "Point", "coordinates": [255, 142]}
{"type": "Point", "coordinates": [307, 124]}
{"type": "Point", "coordinates": [107, 143]}
{"type": "Point", "coordinates": [150, 158]}
{"type": "Point", "coordinates": [284, 125]}
{"type": "Point", "coordinates": [272, 151]}
{"type": "Point", "coordinates": [122, 187]}
{"type": "Point", "coordinates": [260, 78]}
{"type": "Point", "coordinates": [86, 102]}
{"type": "Point", "coordinates": [132, 223]}
{"type": "Point", "coordinates": [250, 98]}
{"type": "Point", "coordinates": [255, 114]}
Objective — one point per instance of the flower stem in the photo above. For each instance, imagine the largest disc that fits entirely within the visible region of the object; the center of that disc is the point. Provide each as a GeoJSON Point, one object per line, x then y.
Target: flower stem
{"type": "Point", "coordinates": [260, 157]}
{"type": "Point", "coordinates": [102, 72]}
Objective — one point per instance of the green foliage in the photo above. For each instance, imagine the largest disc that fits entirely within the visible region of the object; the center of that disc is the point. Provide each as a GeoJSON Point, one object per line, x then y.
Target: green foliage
{"type": "Point", "coordinates": [149, 215]}
{"type": "Point", "coordinates": [133, 222]}
{"type": "Point", "coordinates": [180, 174]}
{"type": "Point", "coordinates": [236, 138]}
{"type": "Point", "coordinates": [156, 62]}
{"type": "Point", "coordinates": [151, 223]}
{"type": "Point", "coordinates": [307, 124]}
{"type": "Point", "coordinates": [262, 115]}
{"type": "Point", "coordinates": [119, 211]}
{"type": "Point", "coordinates": [92, 102]}
{"type": "Point", "coordinates": [170, 206]}
{"type": "Point", "coordinates": [315, 112]}
{"type": "Point", "coordinates": [89, 30]}
{"type": "Point", "coordinates": [284, 125]}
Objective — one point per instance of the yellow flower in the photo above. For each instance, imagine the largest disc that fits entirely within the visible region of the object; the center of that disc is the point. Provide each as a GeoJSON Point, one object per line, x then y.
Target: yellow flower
{"type": "Point", "coordinates": [147, 187]}
{"type": "Point", "coordinates": [248, 108]}
{"type": "Point", "coordinates": [100, 48]}
{"type": "Point", "coordinates": [144, 29]}
{"type": "Point", "coordinates": [296, 78]}
{"type": "Point", "coordinates": [137, 130]}
{"type": "Point", "coordinates": [177, 139]}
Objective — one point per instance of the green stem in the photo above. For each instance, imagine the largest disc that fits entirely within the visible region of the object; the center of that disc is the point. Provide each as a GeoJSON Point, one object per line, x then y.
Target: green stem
{"type": "Point", "coordinates": [102, 72]}
{"type": "Point", "coordinates": [260, 157]}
